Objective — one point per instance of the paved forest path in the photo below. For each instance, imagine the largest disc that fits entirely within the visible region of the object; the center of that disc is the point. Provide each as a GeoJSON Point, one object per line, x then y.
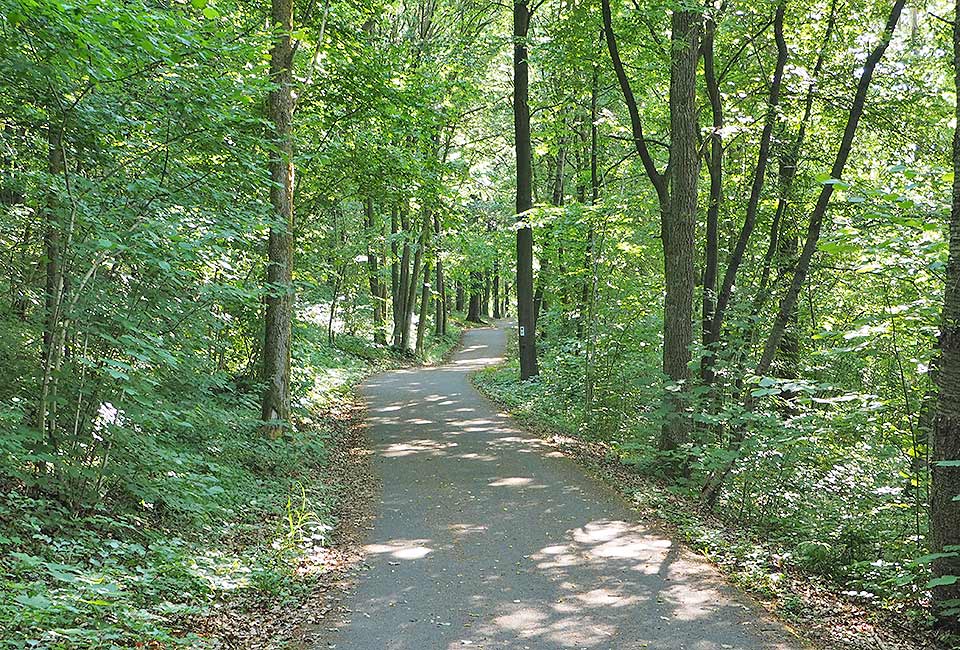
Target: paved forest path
{"type": "Point", "coordinates": [488, 538]}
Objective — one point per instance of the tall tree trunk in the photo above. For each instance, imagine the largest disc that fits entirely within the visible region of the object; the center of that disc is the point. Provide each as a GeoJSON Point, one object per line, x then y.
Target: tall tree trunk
{"type": "Point", "coordinates": [476, 298]}
{"type": "Point", "coordinates": [945, 471]}
{"type": "Point", "coordinates": [440, 317]}
{"type": "Point", "coordinates": [486, 293]}
{"type": "Point", "coordinates": [400, 314]}
{"type": "Point", "coordinates": [424, 310]}
{"type": "Point", "coordinates": [410, 304]}
{"type": "Point", "coordinates": [394, 268]}
{"type": "Point", "coordinates": [679, 224]}
{"type": "Point", "coordinates": [521, 122]}
{"type": "Point", "coordinates": [461, 296]}
{"type": "Point", "coordinates": [789, 160]}
{"type": "Point", "coordinates": [496, 289]}
{"type": "Point", "coordinates": [275, 409]}
{"type": "Point", "coordinates": [715, 167]}
{"type": "Point", "coordinates": [677, 195]}
{"type": "Point", "coordinates": [373, 268]}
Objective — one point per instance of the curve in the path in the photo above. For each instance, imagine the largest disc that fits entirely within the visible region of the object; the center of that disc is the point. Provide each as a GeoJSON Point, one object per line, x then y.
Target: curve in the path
{"type": "Point", "coordinates": [489, 538]}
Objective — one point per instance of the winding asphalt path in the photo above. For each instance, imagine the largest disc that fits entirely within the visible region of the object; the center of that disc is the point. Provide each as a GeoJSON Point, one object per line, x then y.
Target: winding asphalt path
{"type": "Point", "coordinates": [489, 538]}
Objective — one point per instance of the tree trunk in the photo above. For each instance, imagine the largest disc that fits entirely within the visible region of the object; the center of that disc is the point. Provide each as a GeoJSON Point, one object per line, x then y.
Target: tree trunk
{"type": "Point", "coordinates": [461, 296]}
{"type": "Point", "coordinates": [476, 298]}
{"type": "Point", "coordinates": [411, 298]}
{"type": "Point", "coordinates": [275, 409]}
{"type": "Point", "coordinates": [521, 122]}
{"type": "Point", "coordinates": [440, 317]}
{"type": "Point", "coordinates": [496, 289]}
{"type": "Point", "coordinates": [373, 268]}
{"type": "Point", "coordinates": [789, 300]}
{"type": "Point", "coordinates": [677, 194]}
{"type": "Point", "coordinates": [400, 314]}
{"type": "Point", "coordinates": [715, 167]}
{"type": "Point", "coordinates": [680, 223]}
{"type": "Point", "coordinates": [486, 293]}
{"type": "Point", "coordinates": [753, 204]}
{"type": "Point", "coordinates": [944, 477]}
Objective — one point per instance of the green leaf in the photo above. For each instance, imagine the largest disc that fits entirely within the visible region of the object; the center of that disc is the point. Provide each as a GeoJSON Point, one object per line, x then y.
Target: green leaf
{"type": "Point", "coordinates": [211, 13]}
{"type": "Point", "coordinates": [33, 602]}
{"type": "Point", "coordinates": [942, 581]}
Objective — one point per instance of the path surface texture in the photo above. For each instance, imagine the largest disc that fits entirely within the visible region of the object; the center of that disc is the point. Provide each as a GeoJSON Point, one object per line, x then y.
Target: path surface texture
{"type": "Point", "coordinates": [488, 538]}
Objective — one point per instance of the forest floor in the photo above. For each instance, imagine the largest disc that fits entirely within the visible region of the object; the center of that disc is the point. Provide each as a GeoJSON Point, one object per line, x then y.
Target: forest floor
{"type": "Point", "coordinates": [488, 537]}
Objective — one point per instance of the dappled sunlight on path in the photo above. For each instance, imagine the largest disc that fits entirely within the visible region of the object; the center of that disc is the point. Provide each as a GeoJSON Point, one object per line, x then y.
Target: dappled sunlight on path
{"type": "Point", "coordinates": [487, 539]}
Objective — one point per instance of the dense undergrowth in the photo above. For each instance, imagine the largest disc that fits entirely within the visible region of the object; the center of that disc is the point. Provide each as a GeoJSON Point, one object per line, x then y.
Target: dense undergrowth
{"type": "Point", "coordinates": [792, 520]}
{"type": "Point", "coordinates": [196, 509]}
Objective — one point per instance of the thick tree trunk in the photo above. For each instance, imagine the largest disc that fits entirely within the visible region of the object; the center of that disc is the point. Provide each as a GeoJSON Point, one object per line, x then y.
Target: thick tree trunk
{"type": "Point", "coordinates": [521, 121]}
{"type": "Point", "coordinates": [476, 298]}
{"type": "Point", "coordinates": [679, 224]}
{"type": "Point", "coordinates": [394, 268]}
{"type": "Point", "coordinates": [275, 409]}
{"type": "Point", "coordinates": [410, 304]}
{"type": "Point", "coordinates": [945, 470]}
{"type": "Point", "coordinates": [424, 310]}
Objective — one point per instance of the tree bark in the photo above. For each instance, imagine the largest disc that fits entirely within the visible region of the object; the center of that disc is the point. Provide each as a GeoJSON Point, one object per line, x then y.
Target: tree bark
{"type": "Point", "coordinates": [400, 315]}
{"type": "Point", "coordinates": [521, 121]}
{"type": "Point", "coordinates": [424, 310]}
{"type": "Point", "coordinates": [476, 298]}
{"type": "Point", "coordinates": [461, 297]}
{"type": "Point", "coordinates": [715, 167]}
{"type": "Point", "coordinates": [410, 303]}
{"type": "Point", "coordinates": [679, 224]}
{"type": "Point", "coordinates": [275, 409]}
{"type": "Point", "coordinates": [944, 478]}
